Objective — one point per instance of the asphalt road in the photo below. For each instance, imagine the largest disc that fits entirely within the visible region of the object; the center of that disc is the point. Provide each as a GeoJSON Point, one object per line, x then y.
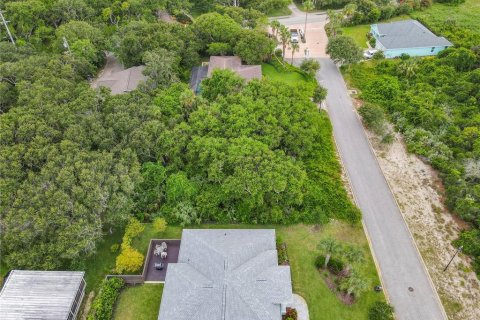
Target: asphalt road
{"type": "Point", "coordinates": [394, 249]}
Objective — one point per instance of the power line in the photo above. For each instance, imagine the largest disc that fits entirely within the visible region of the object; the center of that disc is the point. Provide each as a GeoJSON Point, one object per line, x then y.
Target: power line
{"type": "Point", "coordinates": [6, 27]}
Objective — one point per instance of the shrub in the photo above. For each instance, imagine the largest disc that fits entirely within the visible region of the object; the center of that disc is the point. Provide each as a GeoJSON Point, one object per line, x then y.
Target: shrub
{"type": "Point", "coordinates": [335, 266]}
{"type": "Point", "coordinates": [319, 94]}
{"type": "Point", "coordinates": [372, 41]}
{"type": "Point", "coordinates": [380, 311]}
{"type": "Point", "coordinates": [278, 53]}
{"type": "Point", "coordinates": [114, 248]}
{"type": "Point", "coordinates": [129, 260]}
{"type": "Point", "coordinates": [310, 66]}
{"type": "Point", "coordinates": [374, 117]}
{"type": "Point", "coordinates": [159, 224]}
{"type": "Point", "coordinates": [404, 56]}
{"type": "Point", "coordinates": [133, 229]}
{"type": "Point", "coordinates": [282, 253]}
{"type": "Point", "coordinates": [291, 314]}
{"type": "Point", "coordinates": [379, 55]}
{"type": "Point", "coordinates": [102, 306]}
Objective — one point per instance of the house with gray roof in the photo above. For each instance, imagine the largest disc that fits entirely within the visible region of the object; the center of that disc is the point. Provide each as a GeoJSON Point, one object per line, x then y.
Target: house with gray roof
{"type": "Point", "coordinates": [226, 274]}
{"type": "Point", "coordinates": [407, 37]}
{"type": "Point", "coordinates": [233, 63]}
{"type": "Point", "coordinates": [52, 295]}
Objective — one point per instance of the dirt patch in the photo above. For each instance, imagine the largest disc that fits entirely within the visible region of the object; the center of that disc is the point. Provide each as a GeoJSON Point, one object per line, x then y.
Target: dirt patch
{"type": "Point", "coordinates": [332, 283]}
{"type": "Point", "coordinates": [88, 304]}
{"type": "Point", "coordinates": [420, 196]}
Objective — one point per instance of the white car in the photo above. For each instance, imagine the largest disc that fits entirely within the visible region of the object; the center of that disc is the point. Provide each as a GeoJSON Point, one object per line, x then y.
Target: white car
{"type": "Point", "coordinates": [368, 54]}
{"type": "Point", "coordinates": [293, 35]}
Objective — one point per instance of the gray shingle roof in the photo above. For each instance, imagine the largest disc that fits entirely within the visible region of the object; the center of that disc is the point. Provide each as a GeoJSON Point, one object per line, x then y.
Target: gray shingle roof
{"type": "Point", "coordinates": [408, 34]}
{"type": "Point", "coordinates": [39, 294]}
{"type": "Point", "coordinates": [225, 274]}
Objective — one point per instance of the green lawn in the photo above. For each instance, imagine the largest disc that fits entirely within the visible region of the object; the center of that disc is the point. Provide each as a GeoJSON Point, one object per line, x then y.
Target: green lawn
{"type": "Point", "coordinates": [280, 12]}
{"type": "Point", "coordinates": [103, 262]}
{"type": "Point", "coordinates": [139, 302]}
{"type": "Point", "coordinates": [307, 281]}
{"type": "Point", "coordinates": [290, 77]}
{"type": "Point", "coordinates": [466, 15]}
{"type": "Point", "coordinates": [359, 32]}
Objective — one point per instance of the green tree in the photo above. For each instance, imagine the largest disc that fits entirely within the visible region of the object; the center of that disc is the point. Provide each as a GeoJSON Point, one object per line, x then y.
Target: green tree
{"type": "Point", "coordinates": [284, 38]}
{"type": "Point", "coordinates": [161, 68]}
{"type": "Point", "coordinates": [319, 94]}
{"type": "Point", "coordinates": [221, 83]}
{"type": "Point", "coordinates": [254, 47]}
{"type": "Point", "coordinates": [353, 255]}
{"type": "Point", "coordinates": [219, 49]}
{"type": "Point", "coordinates": [329, 247]}
{"type": "Point", "coordinates": [344, 50]}
{"type": "Point", "coordinates": [310, 66]}
{"type": "Point", "coordinates": [354, 284]}
{"type": "Point", "coordinates": [275, 25]}
{"type": "Point", "coordinates": [295, 48]}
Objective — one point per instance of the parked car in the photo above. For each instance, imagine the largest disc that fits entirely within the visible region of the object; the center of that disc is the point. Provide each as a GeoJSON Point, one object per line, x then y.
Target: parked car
{"type": "Point", "coordinates": [293, 35]}
{"type": "Point", "coordinates": [159, 265]}
{"type": "Point", "coordinates": [368, 54]}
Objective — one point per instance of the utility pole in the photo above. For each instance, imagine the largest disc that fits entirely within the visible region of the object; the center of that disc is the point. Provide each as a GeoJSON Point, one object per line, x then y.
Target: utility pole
{"type": "Point", "coordinates": [456, 252]}
{"type": "Point", "coordinates": [6, 27]}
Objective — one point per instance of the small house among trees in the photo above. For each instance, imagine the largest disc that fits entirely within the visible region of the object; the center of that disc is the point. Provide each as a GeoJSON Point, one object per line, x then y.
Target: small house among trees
{"type": "Point", "coordinates": [407, 37]}
{"type": "Point", "coordinates": [233, 63]}
{"type": "Point", "coordinates": [42, 295]}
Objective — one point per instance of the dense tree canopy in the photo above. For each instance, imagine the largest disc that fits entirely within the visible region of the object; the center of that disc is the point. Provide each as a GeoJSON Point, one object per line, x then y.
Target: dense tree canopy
{"type": "Point", "coordinates": [79, 162]}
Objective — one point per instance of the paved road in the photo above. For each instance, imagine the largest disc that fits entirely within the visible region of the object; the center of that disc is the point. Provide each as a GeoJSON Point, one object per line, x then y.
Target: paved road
{"type": "Point", "coordinates": [400, 263]}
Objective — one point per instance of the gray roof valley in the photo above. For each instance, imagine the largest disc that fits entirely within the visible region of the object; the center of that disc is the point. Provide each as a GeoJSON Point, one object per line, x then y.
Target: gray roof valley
{"type": "Point", "coordinates": [225, 274]}
{"type": "Point", "coordinates": [408, 34]}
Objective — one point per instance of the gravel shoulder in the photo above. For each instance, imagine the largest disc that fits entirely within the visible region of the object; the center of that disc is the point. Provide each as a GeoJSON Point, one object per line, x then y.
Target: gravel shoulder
{"type": "Point", "coordinates": [419, 193]}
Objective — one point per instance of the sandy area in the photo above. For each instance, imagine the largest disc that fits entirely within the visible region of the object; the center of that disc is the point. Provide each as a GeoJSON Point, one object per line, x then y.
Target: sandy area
{"type": "Point", "coordinates": [419, 193]}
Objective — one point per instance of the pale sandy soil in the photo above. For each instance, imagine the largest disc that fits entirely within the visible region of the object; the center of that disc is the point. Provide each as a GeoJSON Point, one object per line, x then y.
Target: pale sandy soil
{"type": "Point", "coordinates": [419, 193]}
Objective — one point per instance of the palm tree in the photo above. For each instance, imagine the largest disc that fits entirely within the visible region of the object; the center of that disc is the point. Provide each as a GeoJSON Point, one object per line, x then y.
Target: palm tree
{"type": "Point", "coordinates": [353, 255]}
{"type": "Point", "coordinates": [275, 25]}
{"type": "Point", "coordinates": [284, 38]}
{"type": "Point", "coordinates": [354, 284]}
{"type": "Point", "coordinates": [349, 10]}
{"type": "Point", "coordinates": [295, 48]}
{"type": "Point", "coordinates": [307, 6]}
{"type": "Point", "coordinates": [329, 246]}
{"type": "Point", "coordinates": [408, 68]}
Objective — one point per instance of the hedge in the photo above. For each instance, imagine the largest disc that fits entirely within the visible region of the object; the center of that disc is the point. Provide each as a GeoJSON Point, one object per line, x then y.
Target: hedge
{"type": "Point", "coordinates": [102, 307]}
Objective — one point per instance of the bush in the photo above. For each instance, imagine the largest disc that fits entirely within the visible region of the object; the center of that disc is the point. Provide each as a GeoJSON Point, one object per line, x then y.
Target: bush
{"type": "Point", "coordinates": [102, 306]}
{"type": "Point", "coordinates": [114, 248]}
{"type": "Point", "coordinates": [159, 224]}
{"type": "Point", "coordinates": [282, 253]}
{"type": "Point", "coordinates": [310, 66]}
{"type": "Point", "coordinates": [374, 117]}
{"type": "Point", "coordinates": [278, 53]}
{"type": "Point", "coordinates": [129, 260]}
{"type": "Point", "coordinates": [291, 314]}
{"type": "Point", "coordinates": [373, 42]}
{"type": "Point", "coordinates": [319, 94]}
{"type": "Point", "coordinates": [133, 229]}
{"type": "Point", "coordinates": [379, 55]}
{"type": "Point", "coordinates": [335, 266]}
{"type": "Point", "coordinates": [380, 311]}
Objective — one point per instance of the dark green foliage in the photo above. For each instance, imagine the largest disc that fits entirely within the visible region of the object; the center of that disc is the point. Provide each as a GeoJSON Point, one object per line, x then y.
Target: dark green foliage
{"type": "Point", "coordinates": [435, 103]}
{"type": "Point", "coordinates": [451, 1]}
{"type": "Point", "coordinates": [374, 117]}
{"type": "Point", "coordinates": [380, 311]}
{"type": "Point", "coordinates": [335, 266]}
{"type": "Point", "coordinates": [470, 242]}
{"type": "Point", "coordinates": [102, 306]}
{"type": "Point", "coordinates": [254, 47]}
{"type": "Point", "coordinates": [319, 94]}
{"type": "Point", "coordinates": [344, 50]}
{"type": "Point", "coordinates": [310, 66]}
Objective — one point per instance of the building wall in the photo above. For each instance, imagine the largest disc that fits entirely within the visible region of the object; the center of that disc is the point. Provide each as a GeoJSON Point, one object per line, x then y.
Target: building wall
{"type": "Point", "coordinates": [413, 52]}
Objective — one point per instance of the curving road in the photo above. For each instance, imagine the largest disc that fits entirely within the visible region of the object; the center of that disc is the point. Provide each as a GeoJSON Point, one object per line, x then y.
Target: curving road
{"type": "Point", "coordinates": [400, 263]}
